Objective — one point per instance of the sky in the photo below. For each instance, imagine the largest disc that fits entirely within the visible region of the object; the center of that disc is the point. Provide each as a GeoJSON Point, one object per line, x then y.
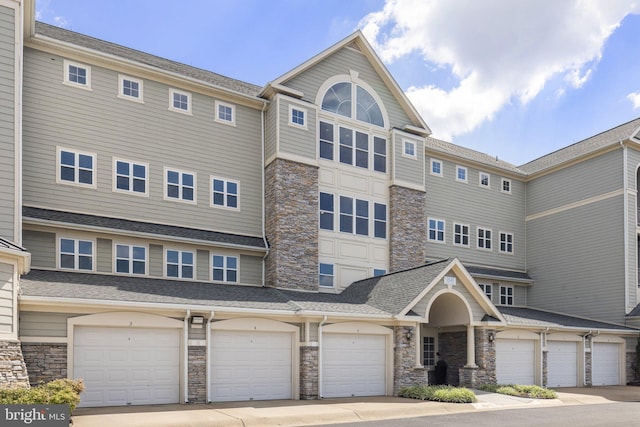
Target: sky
{"type": "Point", "coordinates": [516, 79]}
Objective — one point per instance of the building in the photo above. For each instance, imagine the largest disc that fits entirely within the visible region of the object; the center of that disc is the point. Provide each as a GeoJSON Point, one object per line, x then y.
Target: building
{"type": "Point", "coordinates": [173, 235]}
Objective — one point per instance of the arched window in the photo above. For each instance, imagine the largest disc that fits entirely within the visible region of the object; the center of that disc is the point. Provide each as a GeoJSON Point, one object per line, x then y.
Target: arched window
{"type": "Point", "coordinates": [339, 99]}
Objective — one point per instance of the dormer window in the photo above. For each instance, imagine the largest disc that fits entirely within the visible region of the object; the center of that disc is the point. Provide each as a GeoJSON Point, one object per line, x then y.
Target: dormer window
{"type": "Point", "coordinates": [339, 99]}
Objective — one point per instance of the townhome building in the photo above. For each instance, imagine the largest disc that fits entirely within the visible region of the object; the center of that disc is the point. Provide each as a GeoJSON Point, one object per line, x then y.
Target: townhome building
{"type": "Point", "coordinates": [172, 235]}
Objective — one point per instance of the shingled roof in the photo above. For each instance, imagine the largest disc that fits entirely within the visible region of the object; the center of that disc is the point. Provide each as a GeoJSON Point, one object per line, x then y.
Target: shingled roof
{"type": "Point", "coordinates": [524, 316]}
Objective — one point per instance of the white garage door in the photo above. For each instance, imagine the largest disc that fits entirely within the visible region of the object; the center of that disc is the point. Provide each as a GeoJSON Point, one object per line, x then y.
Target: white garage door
{"type": "Point", "coordinates": [515, 361]}
{"type": "Point", "coordinates": [250, 365]}
{"type": "Point", "coordinates": [562, 364]}
{"type": "Point", "coordinates": [127, 366]}
{"type": "Point", "coordinates": [353, 365]}
{"type": "Point", "coordinates": [605, 364]}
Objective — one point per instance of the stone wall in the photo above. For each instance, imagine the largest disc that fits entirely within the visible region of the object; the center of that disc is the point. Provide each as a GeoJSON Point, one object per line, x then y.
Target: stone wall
{"type": "Point", "coordinates": [407, 228]}
{"type": "Point", "coordinates": [309, 372]}
{"type": "Point", "coordinates": [45, 362]}
{"type": "Point", "coordinates": [630, 365]}
{"type": "Point", "coordinates": [587, 371]}
{"type": "Point", "coordinates": [13, 370]}
{"type": "Point", "coordinates": [291, 209]}
{"type": "Point", "coordinates": [485, 356]}
{"type": "Point", "coordinates": [405, 372]}
{"type": "Point", "coordinates": [197, 369]}
{"type": "Point", "coordinates": [452, 348]}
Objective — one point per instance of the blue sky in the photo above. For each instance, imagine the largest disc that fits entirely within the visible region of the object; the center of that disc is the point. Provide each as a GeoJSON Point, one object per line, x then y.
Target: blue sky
{"type": "Point", "coordinates": [514, 79]}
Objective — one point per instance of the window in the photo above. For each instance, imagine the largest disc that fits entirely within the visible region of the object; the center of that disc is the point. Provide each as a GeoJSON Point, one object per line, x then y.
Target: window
{"type": "Point", "coordinates": [484, 238]}
{"type": "Point", "coordinates": [225, 113]}
{"type": "Point", "coordinates": [325, 279]}
{"type": "Point", "coordinates": [379, 272]}
{"type": "Point", "coordinates": [131, 259]}
{"type": "Point", "coordinates": [76, 254]}
{"type": "Point", "coordinates": [326, 211]}
{"type": "Point", "coordinates": [356, 154]}
{"type": "Point", "coordinates": [180, 185]}
{"type": "Point", "coordinates": [354, 147]}
{"type": "Point", "coordinates": [130, 88]}
{"type": "Point", "coordinates": [461, 174]}
{"type": "Point", "coordinates": [225, 268]}
{"type": "Point", "coordinates": [379, 154]}
{"type": "Point", "coordinates": [297, 117]}
{"type": "Point", "coordinates": [409, 149]}
{"type": "Point", "coordinates": [484, 180]}
{"type": "Point", "coordinates": [506, 242]}
{"type": "Point", "coordinates": [224, 193]}
{"type": "Point", "coordinates": [380, 220]}
{"type": "Point", "coordinates": [76, 167]}
{"type": "Point", "coordinates": [354, 216]}
{"type": "Point", "coordinates": [506, 186]}
{"type": "Point", "coordinates": [428, 351]}
{"type": "Point", "coordinates": [78, 75]}
{"type": "Point", "coordinates": [460, 234]}
{"type": "Point", "coordinates": [436, 167]}
{"type": "Point", "coordinates": [487, 288]}
{"type": "Point", "coordinates": [326, 140]}
{"type": "Point", "coordinates": [130, 176]}
{"type": "Point", "coordinates": [506, 295]}
{"type": "Point", "coordinates": [179, 101]}
{"type": "Point", "coordinates": [179, 264]}
{"type": "Point", "coordinates": [339, 100]}
{"type": "Point", "coordinates": [436, 230]}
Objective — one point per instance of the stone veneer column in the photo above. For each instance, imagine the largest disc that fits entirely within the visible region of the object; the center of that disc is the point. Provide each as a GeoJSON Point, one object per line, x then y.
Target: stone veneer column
{"type": "Point", "coordinates": [405, 372]}
{"type": "Point", "coordinates": [45, 362]}
{"type": "Point", "coordinates": [13, 370]}
{"type": "Point", "coordinates": [309, 372]}
{"type": "Point", "coordinates": [291, 208]}
{"type": "Point", "coordinates": [197, 369]}
{"type": "Point", "coordinates": [407, 228]}
{"type": "Point", "coordinates": [485, 372]}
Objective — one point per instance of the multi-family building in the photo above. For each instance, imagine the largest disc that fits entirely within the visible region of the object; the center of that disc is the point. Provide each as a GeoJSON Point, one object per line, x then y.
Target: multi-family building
{"type": "Point", "coordinates": [173, 235]}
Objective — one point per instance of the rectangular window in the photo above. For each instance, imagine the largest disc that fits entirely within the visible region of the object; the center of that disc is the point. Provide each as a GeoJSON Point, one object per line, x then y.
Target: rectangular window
{"type": "Point", "coordinates": [346, 146]}
{"type": "Point", "coordinates": [76, 167]}
{"type": "Point", "coordinates": [180, 185]}
{"type": "Point", "coordinates": [224, 193]}
{"type": "Point", "coordinates": [484, 180]}
{"type": "Point", "coordinates": [506, 242]}
{"type": "Point", "coordinates": [355, 154]}
{"type": "Point", "coordinates": [325, 279]}
{"type": "Point", "coordinates": [225, 268]}
{"type": "Point", "coordinates": [506, 295]}
{"type": "Point", "coordinates": [428, 351]}
{"type": "Point", "coordinates": [461, 174]}
{"type": "Point", "coordinates": [354, 216]}
{"type": "Point", "coordinates": [362, 217]}
{"type": "Point", "coordinates": [130, 88]}
{"type": "Point", "coordinates": [179, 264]}
{"type": "Point", "coordinates": [297, 117]}
{"type": "Point", "coordinates": [346, 214]}
{"type": "Point", "coordinates": [326, 140]}
{"type": "Point", "coordinates": [379, 154]}
{"type": "Point", "coordinates": [484, 238]}
{"type": "Point", "coordinates": [225, 113]}
{"type": "Point", "coordinates": [409, 149]}
{"type": "Point", "coordinates": [326, 211]}
{"type": "Point", "coordinates": [379, 272]}
{"type": "Point", "coordinates": [436, 230]}
{"type": "Point", "coordinates": [77, 74]}
{"type": "Point", "coordinates": [362, 150]}
{"type": "Point", "coordinates": [130, 176]}
{"type": "Point", "coordinates": [506, 186]}
{"type": "Point", "coordinates": [436, 167]}
{"type": "Point", "coordinates": [131, 259]}
{"type": "Point", "coordinates": [380, 220]}
{"type": "Point", "coordinates": [487, 288]}
{"type": "Point", "coordinates": [76, 254]}
{"type": "Point", "coordinates": [460, 234]}
{"type": "Point", "coordinates": [179, 101]}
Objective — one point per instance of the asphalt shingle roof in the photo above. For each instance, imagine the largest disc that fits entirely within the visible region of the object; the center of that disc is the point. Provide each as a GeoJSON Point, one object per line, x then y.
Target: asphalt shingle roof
{"type": "Point", "coordinates": [496, 272]}
{"type": "Point", "coordinates": [534, 317]}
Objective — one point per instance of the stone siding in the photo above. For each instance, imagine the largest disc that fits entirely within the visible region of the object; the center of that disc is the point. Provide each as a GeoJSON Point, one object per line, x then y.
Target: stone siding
{"type": "Point", "coordinates": [407, 228]}
{"type": "Point", "coordinates": [291, 209]}
{"type": "Point", "coordinates": [630, 365]}
{"type": "Point", "coordinates": [405, 372]}
{"type": "Point", "coordinates": [197, 369]}
{"type": "Point", "coordinates": [309, 365]}
{"type": "Point", "coordinates": [587, 371]}
{"type": "Point", "coordinates": [13, 370]}
{"type": "Point", "coordinates": [45, 362]}
{"type": "Point", "coordinates": [485, 357]}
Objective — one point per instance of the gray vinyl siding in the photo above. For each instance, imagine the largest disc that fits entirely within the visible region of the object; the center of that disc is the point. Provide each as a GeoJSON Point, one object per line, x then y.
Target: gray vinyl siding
{"type": "Point", "coordinates": [42, 246]}
{"type": "Point", "coordinates": [406, 169]}
{"type": "Point", "coordinates": [271, 131]}
{"type": "Point", "coordinates": [6, 298]}
{"type": "Point", "coordinates": [37, 324]}
{"type": "Point", "coordinates": [156, 260]}
{"type": "Point", "coordinates": [519, 292]}
{"type": "Point", "coordinates": [250, 270]}
{"type": "Point", "coordinates": [576, 258]}
{"type": "Point", "coordinates": [475, 206]}
{"type": "Point", "coordinates": [7, 122]}
{"type": "Point", "coordinates": [104, 255]}
{"type": "Point", "coordinates": [146, 132]}
{"type": "Point", "coordinates": [295, 140]}
{"type": "Point", "coordinates": [341, 62]}
{"type": "Point", "coordinates": [202, 265]}
{"type": "Point", "coordinates": [591, 178]}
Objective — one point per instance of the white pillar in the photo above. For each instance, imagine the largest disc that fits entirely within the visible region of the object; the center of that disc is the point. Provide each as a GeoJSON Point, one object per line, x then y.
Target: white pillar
{"type": "Point", "coordinates": [471, 347]}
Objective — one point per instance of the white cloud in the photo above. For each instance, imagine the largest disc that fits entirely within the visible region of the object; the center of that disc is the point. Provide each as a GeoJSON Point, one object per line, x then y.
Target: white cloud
{"type": "Point", "coordinates": [497, 50]}
{"type": "Point", "coordinates": [635, 99]}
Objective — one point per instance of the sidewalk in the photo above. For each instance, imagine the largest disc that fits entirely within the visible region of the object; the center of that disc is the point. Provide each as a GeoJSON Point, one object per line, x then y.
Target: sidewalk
{"type": "Point", "coordinates": [291, 413]}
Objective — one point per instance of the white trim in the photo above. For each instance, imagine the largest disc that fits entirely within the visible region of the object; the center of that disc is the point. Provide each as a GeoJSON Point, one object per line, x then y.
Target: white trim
{"type": "Point", "coordinates": [224, 268]}
{"type": "Point", "coordinates": [502, 182]}
{"type": "Point", "coordinates": [18, 79]}
{"type": "Point", "coordinates": [180, 199]}
{"type": "Point", "coordinates": [490, 230]}
{"type": "Point", "coordinates": [506, 233]}
{"type": "Point", "coordinates": [406, 142]}
{"type": "Point", "coordinates": [433, 161]}
{"type": "Point", "coordinates": [76, 238]}
{"type": "Point", "coordinates": [115, 188]}
{"type": "Point", "coordinates": [513, 295]}
{"type": "Point", "coordinates": [225, 181]}
{"type": "Point", "coordinates": [468, 245]}
{"type": "Point", "coordinates": [305, 117]}
{"type": "Point", "coordinates": [444, 230]}
{"type": "Point", "coordinates": [66, 64]}
{"type": "Point", "coordinates": [574, 205]}
{"type": "Point", "coordinates": [466, 174]}
{"type": "Point", "coordinates": [173, 91]}
{"type": "Point", "coordinates": [121, 95]}
{"type": "Point", "coordinates": [180, 264]}
{"type": "Point", "coordinates": [130, 245]}
{"type": "Point", "coordinates": [76, 167]}
{"type": "Point", "coordinates": [52, 340]}
{"type": "Point", "coordinates": [216, 113]}
{"type": "Point", "coordinates": [481, 175]}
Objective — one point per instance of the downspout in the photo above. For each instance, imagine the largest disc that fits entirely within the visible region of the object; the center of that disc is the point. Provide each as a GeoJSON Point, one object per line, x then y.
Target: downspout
{"type": "Point", "coordinates": [208, 355]}
{"type": "Point", "coordinates": [185, 355]}
{"type": "Point", "coordinates": [263, 194]}
{"type": "Point", "coordinates": [324, 320]}
{"type": "Point", "coordinates": [625, 186]}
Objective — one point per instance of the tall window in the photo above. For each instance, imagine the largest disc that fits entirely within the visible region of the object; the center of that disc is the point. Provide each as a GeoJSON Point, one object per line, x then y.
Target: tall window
{"type": "Point", "coordinates": [179, 264]}
{"type": "Point", "coordinates": [379, 154]}
{"type": "Point", "coordinates": [461, 174]}
{"type": "Point", "coordinates": [354, 216]}
{"type": "Point", "coordinates": [180, 185]}
{"type": "Point", "coordinates": [326, 211]}
{"type": "Point", "coordinates": [76, 254]}
{"type": "Point", "coordinates": [428, 351]}
{"type": "Point", "coordinates": [506, 295]}
{"type": "Point", "coordinates": [130, 176]}
{"type": "Point", "coordinates": [326, 276]}
{"type": "Point", "coordinates": [436, 167]}
{"type": "Point", "coordinates": [484, 238]}
{"type": "Point", "coordinates": [487, 288]}
{"type": "Point", "coordinates": [76, 167]}
{"type": "Point", "coordinates": [485, 179]}
{"type": "Point", "coordinates": [224, 268]}
{"type": "Point", "coordinates": [340, 97]}
{"type": "Point", "coordinates": [224, 193]}
{"type": "Point", "coordinates": [326, 140]}
{"type": "Point", "coordinates": [131, 259]}
{"type": "Point", "coordinates": [380, 220]}
{"type": "Point", "coordinates": [506, 242]}
{"type": "Point", "coordinates": [436, 230]}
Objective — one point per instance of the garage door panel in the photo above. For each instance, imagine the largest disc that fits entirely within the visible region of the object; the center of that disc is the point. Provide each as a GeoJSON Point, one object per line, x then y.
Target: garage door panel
{"type": "Point", "coordinates": [515, 361]}
{"type": "Point", "coordinates": [605, 362]}
{"type": "Point", "coordinates": [562, 364]}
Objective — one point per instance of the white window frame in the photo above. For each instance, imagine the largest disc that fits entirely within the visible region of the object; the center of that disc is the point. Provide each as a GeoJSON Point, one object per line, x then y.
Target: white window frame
{"type": "Point", "coordinates": [462, 234]}
{"type": "Point", "coordinates": [122, 95]}
{"type": "Point", "coordinates": [504, 295]}
{"type": "Point", "coordinates": [225, 268]}
{"type": "Point", "coordinates": [181, 186]}
{"type": "Point", "coordinates": [76, 167]}
{"type": "Point", "coordinates": [131, 259]}
{"type": "Point", "coordinates": [180, 264]}
{"type": "Point", "coordinates": [444, 230]}
{"type": "Point", "coordinates": [487, 289]}
{"type": "Point", "coordinates": [436, 161]}
{"type": "Point", "coordinates": [131, 177]}
{"type": "Point", "coordinates": [434, 350]}
{"type": "Point", "coordinates": [481, 175]}
{"type": "Point", "coordinates": [414, 148]}
{"type": "Point", "coordinates": [173, 92]}
{"type": "Point", "coordinates": [225, 194]}
{"type": "Point", "coordinates": [504, 234]}
{"type": "Point", "coordinates": [67, 81]}
{"type": "Point", "coordinates": [332, 275]}
{"type": "Point", "coordinates": [225, 121]}
{"type": "Point", "coordinates": [490, 239]}
{"type": "Point", "coordinates": [504, 181]}
{"type": "Point", "coordinates": [466, 174]}
{"type": "Point", "coordinates": [76, 253]}
{"type": "Point", "coordinates": [305, 117]}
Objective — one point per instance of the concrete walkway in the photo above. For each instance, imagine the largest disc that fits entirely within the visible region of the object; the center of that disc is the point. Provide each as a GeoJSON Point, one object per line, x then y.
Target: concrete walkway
{"type": "Point", "coordinates": [284, 413]}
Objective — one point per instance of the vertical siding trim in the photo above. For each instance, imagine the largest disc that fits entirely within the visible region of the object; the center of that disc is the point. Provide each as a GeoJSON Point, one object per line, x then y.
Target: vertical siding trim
{"type": "Point", "coordinates": [625, 204]}
{"type": "Point", "coordinates": [263, 118]}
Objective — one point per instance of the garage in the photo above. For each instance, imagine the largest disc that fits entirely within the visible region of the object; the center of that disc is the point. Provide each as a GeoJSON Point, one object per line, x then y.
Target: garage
{"type": "Point", "coordinates": [562, 364]}
{"type": "Point", "coordinates": [251, 364]}
{"type": "Point", "coordinates": [515, 361]}
{"type": "Point", "coordinates": [127, 366]}
{"type": "Point", "coordinates": [353, 365]}
{"type": "Point", "coordinates": [605, 363]}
